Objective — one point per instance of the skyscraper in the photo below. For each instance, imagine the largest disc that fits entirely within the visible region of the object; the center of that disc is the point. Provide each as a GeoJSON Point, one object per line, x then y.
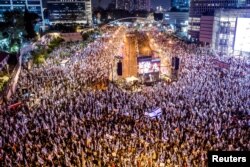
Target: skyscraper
{"type": "Point", "coordinates": [32, 5]}
{"type": "Point", "coordinates": [125, 4]}
{"type": "Point", "coordinates": [180, 4]}
{"type": "Point", "coordinates": [70, 11]}
{"type": "Point", "coordinates": [131, 5]}
{"type": "Point", "coordinates": [231, 31]}
{"type": "Point", "coordinates": [199, 8]}
{"type": "Point", "coordinates": [143, 5]}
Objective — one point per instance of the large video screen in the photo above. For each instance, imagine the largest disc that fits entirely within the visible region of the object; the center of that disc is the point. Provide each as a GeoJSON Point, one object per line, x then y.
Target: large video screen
{"type": "Point", "coordinates": [148, 65]}
{"type": "Point", "coordinates": [242, 38]}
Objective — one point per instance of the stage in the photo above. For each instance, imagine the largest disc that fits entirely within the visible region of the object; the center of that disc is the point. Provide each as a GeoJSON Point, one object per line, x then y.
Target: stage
{"type": "Point", "coordinates": [141, 61]}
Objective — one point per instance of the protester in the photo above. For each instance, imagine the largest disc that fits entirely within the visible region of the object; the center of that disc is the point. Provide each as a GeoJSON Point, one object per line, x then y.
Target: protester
{"type": "Point", "coordinates": [67, 122]}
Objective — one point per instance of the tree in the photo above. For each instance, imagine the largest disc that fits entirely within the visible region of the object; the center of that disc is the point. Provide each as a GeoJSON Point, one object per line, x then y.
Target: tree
{"type": "Point", "coordinates": [14, 26]}
{"type": "Point", "coordinates": [17, 25]}
{"type": "Point", "coordinates": [3, 26]}
{"type": "Point", "coordinates": [30, 19]}
{"type": "Point", "coordinates": [14, 23]}
{"type": "Point", "coordinates": [14, 18]}
{"type": "Point", "coordinates": [111, 6]}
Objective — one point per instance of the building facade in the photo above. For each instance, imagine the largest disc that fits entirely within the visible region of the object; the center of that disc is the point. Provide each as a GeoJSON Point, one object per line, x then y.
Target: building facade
{"type": "Point", "coordinates": [176, 18]}
{"type": "Point", "coordinates": [132, 5]}
{"type": "Point", "coordinates": [180, 4]}
{"type": "Point", "coordinates": [69, 11]}
{"type": "Point", "coordinates": [206, 29]}
{"type": "Point", "coordinates": [199, 8]}
{"type": "Point", "coordinates": [143, 5]}
{"type": "Point", "coordinates": [231, 31]}
{"type": "Point", "coordinates": [32, 5]}
{"type": "Point", "coordinates": [125, 4]}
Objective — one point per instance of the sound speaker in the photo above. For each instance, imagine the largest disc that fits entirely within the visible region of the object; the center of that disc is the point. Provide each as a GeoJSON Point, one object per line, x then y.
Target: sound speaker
{"type": "Point", "coordinates": [119, 68]}
{"type": "Point", "coordinates": [177, 63]}
{"type": "Point", "coordinates": [173, 61]}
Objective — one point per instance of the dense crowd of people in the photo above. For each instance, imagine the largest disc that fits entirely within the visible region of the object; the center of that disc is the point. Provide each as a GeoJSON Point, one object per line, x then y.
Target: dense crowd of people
{"type": "Point", "coordinates": [65, 122]}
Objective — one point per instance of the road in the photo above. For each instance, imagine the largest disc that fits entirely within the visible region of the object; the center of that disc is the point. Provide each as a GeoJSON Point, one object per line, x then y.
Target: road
{"type": "Point", "coordinates": [130, 59]}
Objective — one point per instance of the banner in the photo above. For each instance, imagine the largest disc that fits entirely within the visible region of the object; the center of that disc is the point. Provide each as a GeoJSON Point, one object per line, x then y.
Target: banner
{"type": "Point", "coordinates": [155, 113]}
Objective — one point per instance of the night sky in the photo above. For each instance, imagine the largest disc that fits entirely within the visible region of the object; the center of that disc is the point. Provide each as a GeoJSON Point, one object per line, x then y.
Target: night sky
{"type": "Point", "coordinates": [154, 3]}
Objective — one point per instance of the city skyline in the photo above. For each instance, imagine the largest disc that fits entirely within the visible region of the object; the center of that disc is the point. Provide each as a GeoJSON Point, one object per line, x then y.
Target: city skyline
{"type": "Point", "coordinates": [105, 3]}
{"type": "Point", "coordinates": [133, 5]}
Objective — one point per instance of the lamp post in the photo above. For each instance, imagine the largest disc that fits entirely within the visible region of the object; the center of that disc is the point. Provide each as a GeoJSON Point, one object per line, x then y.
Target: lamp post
{"type": "Point", "coordinates": [8, 71]}
{"type": "Point", "coordinates": [43, 20]}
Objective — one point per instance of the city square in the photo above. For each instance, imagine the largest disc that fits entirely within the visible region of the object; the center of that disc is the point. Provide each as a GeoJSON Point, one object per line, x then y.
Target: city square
{"type": "Point", "coordinates": [127, 93]}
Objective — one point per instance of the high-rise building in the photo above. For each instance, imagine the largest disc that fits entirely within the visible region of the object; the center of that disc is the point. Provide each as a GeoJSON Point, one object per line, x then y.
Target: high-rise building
{"type": "Point", "coordinates": [143, 5]}
{"type": "Point", "coordinates": [180, 4]}
{"type": "Point", "coordinates": [199, 8]}
{"type": "Point", "coordinates": [70, 11]}
{"type": "Point", "coordinates": [231, 33]}
{"type": "Point", "coordinates": [125, 4]}
{"type": "Point", "coordinates": [32, 6]}
{"type": "Point", "coordinates": [131, 5]}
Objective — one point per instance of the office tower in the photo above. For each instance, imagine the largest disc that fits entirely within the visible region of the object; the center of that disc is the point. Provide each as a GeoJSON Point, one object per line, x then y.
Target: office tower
{"type": "Point", "coordinates": [132, 5]}
{"type": "Point", "coordinates": [199, 8]}
{"type": "Point", "coordinates": [70, 11]}
{"type": "Point", "coordinates": [180, 4]}
{"type": "Point", "coordinates": [125, 4]}
{"type": "Point", "coordinates": [143, 5]}
{"type": "Point", "coordinates": [231, 32]}
{"type": "Point", "coordinates": [32, 5]}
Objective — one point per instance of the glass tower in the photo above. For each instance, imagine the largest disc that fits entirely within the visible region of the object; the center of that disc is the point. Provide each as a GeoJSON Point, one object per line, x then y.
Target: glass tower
{"type": "Point", "coordinates": [69, 11]}
{"type": "Point", "coordinates": [32, 5]}
{"type": "Point", "coordinates": [200, 8]}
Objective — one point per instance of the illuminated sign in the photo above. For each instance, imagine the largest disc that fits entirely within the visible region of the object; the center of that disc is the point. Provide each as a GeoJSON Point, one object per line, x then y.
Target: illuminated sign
{"type": "Point", "coordinates": [148, 65]}
{"type": "Point", "coordinates": [242, 36]}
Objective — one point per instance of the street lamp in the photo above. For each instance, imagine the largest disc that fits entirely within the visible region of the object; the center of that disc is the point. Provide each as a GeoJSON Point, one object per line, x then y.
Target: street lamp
{"type": "Point", "coordinates": [43, 20]}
